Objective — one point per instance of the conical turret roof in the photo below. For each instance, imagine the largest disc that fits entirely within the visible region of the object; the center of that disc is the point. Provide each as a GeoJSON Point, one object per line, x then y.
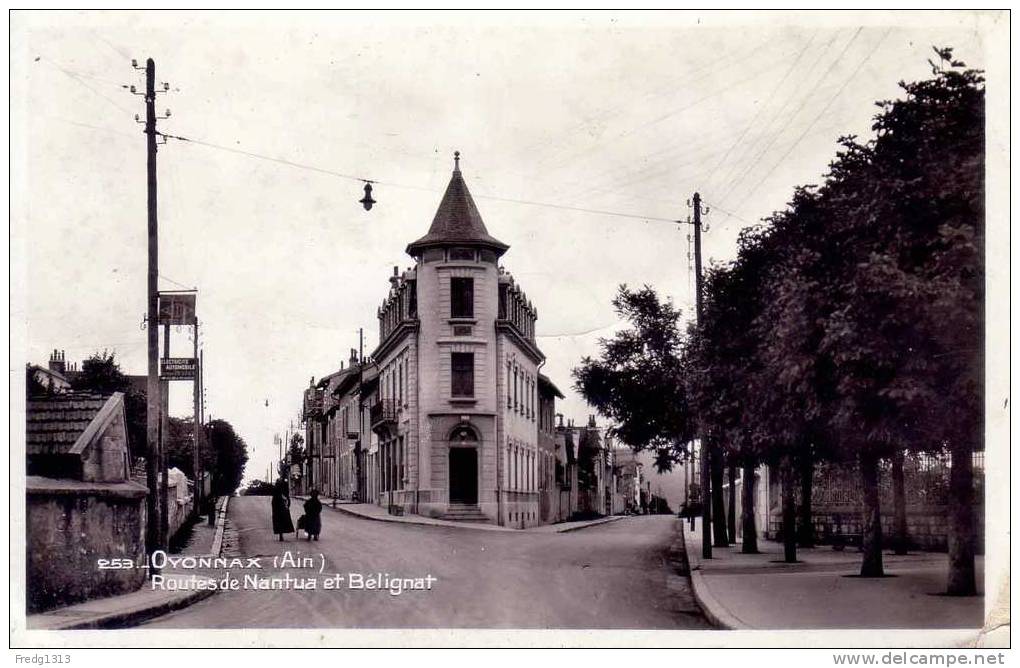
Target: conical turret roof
{"type": "Point", "coordinates": [457, 221]}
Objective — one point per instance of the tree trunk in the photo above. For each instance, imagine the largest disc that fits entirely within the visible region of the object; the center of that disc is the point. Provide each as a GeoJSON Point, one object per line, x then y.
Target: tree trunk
{"type": "Point", "coordinates": [706, 505]}
{"type": "Point", "coordinates": [731, 510]}
{"type": "Point", "coordinates": [718, 502]}
{"type": "Point", "coordinates": [750, 531]}
{"type": "Point", "coordinates": [806, 529]}
{"type": "Point", "coordinates": [871, 525]}
{"type": "Point", "coordinates": [899, 505]}
{"type": "Point", "coordinates": [961, 581]}
{"type": "Point", "coordinates": [789, 510]}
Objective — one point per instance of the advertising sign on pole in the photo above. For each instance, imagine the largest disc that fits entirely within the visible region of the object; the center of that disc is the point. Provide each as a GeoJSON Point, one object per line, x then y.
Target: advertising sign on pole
{"type": "Point", "coordinates": [177, 308]}
{"type": "Point", "coordinates": [177, 368]}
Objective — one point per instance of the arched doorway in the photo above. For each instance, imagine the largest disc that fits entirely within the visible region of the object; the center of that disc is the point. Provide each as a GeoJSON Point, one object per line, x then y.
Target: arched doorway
{"type": "Point", "coordinates": [463, 465]}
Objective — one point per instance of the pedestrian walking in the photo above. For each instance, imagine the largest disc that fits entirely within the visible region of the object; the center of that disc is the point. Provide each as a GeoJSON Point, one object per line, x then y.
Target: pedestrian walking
{"type": "Point", "coordinates": [313, 515]}
{"type": "Point", "coordinates": [281, 510]}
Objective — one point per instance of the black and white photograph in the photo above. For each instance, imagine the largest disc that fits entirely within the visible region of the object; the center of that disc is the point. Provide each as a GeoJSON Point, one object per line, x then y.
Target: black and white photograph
{"type": "Point", "coordinates": [519, 328]}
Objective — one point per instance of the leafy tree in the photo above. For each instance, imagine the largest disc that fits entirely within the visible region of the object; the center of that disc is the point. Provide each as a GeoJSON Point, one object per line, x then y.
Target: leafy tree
{"type": "Point", "coordinates": [231, 457]}
{"type": "Point", "coordinates": [101, 373]}
{"type": "Point", "coordinates": [296, 453]}
{"type": "Point", "coordinates": [637, 381]}
{"type": "Point", "coordinates": [180, 448]}
{"type": "Point", "coordinates": [907, 333]}
{"type": "Point", "coordinates": [872, 327]}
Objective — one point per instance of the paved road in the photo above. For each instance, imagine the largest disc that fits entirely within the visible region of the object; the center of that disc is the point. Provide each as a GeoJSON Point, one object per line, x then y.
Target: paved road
{"type": "Point", "coordinates": [610, 576]}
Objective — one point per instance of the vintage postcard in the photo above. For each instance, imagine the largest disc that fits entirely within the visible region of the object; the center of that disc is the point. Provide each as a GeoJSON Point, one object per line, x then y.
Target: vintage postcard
{"type": "Point", "coordinates": [673, 329]}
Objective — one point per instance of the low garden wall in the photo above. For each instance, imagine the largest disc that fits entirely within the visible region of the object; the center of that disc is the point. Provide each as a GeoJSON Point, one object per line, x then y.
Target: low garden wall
{"type": "Point", "coordinates": [74, 524]}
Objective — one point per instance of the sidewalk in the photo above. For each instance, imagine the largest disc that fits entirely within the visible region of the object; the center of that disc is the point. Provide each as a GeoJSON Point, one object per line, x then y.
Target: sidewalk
{"type": "Point", "coordinates": [758, 591]}
{"type": "Point", "coordinates": [370, 511]}
{"type": "Point", "coordinates": [138, 606]}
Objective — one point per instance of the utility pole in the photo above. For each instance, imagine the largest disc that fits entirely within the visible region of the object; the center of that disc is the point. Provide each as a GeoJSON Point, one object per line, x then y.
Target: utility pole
{"type": "Point", "coordinates": [196, 425]}
{"type": "Point", "coordinates": [153, 536]}
{"type": "Point", "coordinates": [164, 439]}
{"type": "Point", "coordinates": [706, 501]}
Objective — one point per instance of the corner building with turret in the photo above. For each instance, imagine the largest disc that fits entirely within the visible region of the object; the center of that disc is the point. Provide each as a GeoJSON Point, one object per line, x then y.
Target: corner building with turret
{"type": "Point", "coordinates": [455, 416]}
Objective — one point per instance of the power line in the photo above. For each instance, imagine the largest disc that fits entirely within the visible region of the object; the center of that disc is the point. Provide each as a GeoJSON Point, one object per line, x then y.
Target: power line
{"type": "Point", "coordinates": [659, 92]}
{"type": "Point", "coordinates": [177, 283]}
{"type": "Point", "coordinates": [259, 156]}
{"type": "Point", "coordinates": [818, 117]}
{"type": "Point", "coordinates": [716, 207]}
{"type": "Point", "coordinates": [671, 113]}
{"type": "Point", "coordinates": [743, 171]}
{"type": "Point", "coordinates": [76, 77]}
{"type": "Point", "coordinates": [760, 109]}
{"type": "Point", "coordinates": [361, 179]}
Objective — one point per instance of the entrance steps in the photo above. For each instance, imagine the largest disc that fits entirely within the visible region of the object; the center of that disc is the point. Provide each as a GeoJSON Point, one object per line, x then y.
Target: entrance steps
{"type": "Point", "coordinates": [464, 512]}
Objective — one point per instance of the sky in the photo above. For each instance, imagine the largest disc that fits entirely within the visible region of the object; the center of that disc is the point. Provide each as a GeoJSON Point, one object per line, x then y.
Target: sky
{"type": "Point", "coordinates": [623, 115]}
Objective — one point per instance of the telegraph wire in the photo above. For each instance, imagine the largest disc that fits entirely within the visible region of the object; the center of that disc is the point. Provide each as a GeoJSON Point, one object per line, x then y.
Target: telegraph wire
{"type": "Point", "coordinates": [360, 179]}
{"type": "Point", "coordinates": [760, 109]}
{"type": "Point", "coordinates": [259, 156]}
{"type": "Point", "coordinates": [668, 115]}
{"type": "Point", "coordinates": [770, 133]}
{"type": "Point", "coordinates": [716, 207]}
{"type": "Point", "coordinates": [792, 116]}
{"type": "Point", "coordinates": [615, 110]}
{"type": "Point", "coordinates": [563, 207]}
{"type": "Point", "coordinates": [76, 77]}
{"type": "Point", "coordinates": [828, 104]}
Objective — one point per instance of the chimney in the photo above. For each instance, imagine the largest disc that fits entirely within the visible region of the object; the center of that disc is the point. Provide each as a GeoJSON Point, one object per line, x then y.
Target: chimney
{"type": "Point", "coordinates": [57, 363]}
{"type": "Point", "coordinates": [396, 276]}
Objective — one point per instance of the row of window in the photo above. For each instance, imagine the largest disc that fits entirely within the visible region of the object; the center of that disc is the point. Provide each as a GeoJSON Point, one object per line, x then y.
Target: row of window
{"type": "Point", "coordinates": [392, 461]}
{"type": "Point", "coordinates": [521, 391]}
{"type": "Point", "coordinates": [522, 469]}
{"type": "Point", "coordinates": [394, 381]}
{"type": "Point", "coordinates": [459, 255]}
{"type": "Point", "coordinates": [402, 304]}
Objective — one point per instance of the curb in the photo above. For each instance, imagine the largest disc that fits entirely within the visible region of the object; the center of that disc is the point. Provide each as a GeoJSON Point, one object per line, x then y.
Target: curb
{"type": "Point", "coordinates": [393, 520]}
{"type": "Point", "coordinates": [221, 521]}
{"type": "Point", "coordinates": [129, 618]}
{"type": "Point", "coordinates": [593, 523]}
{"type": "Point", "coordinates": [710, 606]}
{"type": "Point", "coordinates": [454, 525]}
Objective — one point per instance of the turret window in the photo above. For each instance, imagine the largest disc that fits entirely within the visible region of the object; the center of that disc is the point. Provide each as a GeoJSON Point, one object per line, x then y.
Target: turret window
{"type": "Point", "coordinates": [462, 297]}
{"type": "Point", "coordinates": [462, 376]}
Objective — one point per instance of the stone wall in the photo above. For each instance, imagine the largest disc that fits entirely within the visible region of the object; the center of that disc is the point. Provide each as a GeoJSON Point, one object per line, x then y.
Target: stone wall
{"type": "Point", "coordinates": [74, 524]}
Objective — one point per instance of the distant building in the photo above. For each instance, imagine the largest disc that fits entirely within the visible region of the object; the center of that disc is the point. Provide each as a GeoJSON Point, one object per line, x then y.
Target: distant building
{"type": "Point", "coordinates": [549, 483]}
{"type": "Point", "coordinates": [629, 480]}
{"type": "Point", "coordinates": [57, 376]}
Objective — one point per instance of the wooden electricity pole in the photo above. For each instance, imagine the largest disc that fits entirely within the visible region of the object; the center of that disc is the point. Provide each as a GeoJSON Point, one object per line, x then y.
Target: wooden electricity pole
{"type": "Point", "coordinates": [153, 535]}
{"type": "Point", "coordinates": [196, 426]}
{"type": "Point", "coordinates": [706, 500]}
{"type": "Point", "coordinates": [164, 430]}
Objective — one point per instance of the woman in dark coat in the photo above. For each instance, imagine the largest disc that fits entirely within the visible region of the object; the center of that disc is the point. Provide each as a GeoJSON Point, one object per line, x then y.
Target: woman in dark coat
{"type": "Point", "coordinates": [281, 510]}
{"type": "Point", "coordinates": [313, 512]}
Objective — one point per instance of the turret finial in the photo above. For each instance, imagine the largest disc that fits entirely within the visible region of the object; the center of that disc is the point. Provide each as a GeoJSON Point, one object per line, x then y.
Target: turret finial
{"type": "Point", "coordinates": [456, 161]}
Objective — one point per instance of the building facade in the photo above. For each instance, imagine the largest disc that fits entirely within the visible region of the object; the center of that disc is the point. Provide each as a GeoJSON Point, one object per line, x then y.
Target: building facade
{"type": "Point", "coordinates": [449, 416]}
{"type": "Point", "coordinates": [456, 408]}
